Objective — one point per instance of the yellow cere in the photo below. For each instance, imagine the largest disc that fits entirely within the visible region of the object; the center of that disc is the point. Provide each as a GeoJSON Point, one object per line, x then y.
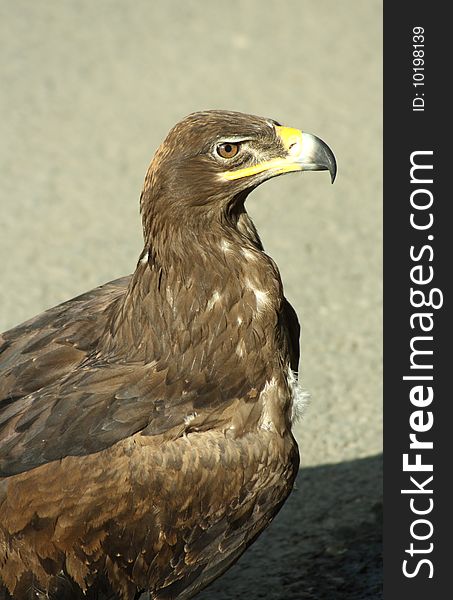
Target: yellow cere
{"type": "Point", "coordinates": [291, 139]}
{"type": "Point", "coordinates": [289, 136]}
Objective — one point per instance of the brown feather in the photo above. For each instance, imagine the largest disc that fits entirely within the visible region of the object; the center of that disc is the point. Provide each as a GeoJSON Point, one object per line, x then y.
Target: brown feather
{"type": "Point", "coordinates": [145, 435]}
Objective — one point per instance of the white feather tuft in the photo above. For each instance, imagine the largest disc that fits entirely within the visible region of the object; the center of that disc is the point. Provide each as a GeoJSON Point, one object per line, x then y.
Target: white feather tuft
{"type": "Point", "coordinates": [299, 397]}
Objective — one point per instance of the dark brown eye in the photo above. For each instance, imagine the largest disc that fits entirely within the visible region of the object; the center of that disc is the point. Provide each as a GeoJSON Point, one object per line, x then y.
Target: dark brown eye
{"type": "Point", "coordinates": [227, 149]}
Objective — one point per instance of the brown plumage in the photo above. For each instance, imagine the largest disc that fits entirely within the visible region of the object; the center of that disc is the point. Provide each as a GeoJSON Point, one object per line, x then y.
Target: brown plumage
{"type": "Point", "coordinates": [145, 426]}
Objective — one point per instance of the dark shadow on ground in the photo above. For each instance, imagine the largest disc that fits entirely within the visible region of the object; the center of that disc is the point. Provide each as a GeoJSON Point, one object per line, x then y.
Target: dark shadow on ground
{"type": "Point", "coordinates": [325, 544]}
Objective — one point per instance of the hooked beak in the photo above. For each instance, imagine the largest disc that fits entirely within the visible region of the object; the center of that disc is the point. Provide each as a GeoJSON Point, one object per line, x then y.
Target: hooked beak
{"type": "Point", "coordinates": [303, 152]}
{"type": "Point", "coordinates": [307, 152]}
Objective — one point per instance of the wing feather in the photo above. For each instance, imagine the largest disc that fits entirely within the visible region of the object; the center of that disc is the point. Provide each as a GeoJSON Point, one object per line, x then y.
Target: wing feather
{"type": "Point", "coordinates": [60, 396]}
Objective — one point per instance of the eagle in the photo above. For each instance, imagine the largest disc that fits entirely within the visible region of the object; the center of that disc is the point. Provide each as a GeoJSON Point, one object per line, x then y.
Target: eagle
{"type": "Point", "coordinates": [145, 426]}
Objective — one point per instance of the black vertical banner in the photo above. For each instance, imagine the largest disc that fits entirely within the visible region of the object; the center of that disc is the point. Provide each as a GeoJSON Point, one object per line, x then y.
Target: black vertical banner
{"type": "Point", "coordinates": [418, 438]}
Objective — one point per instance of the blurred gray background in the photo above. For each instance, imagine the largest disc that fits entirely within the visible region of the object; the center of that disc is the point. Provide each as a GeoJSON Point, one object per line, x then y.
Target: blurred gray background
{"type": "Point", "coordinates": [89, 89]}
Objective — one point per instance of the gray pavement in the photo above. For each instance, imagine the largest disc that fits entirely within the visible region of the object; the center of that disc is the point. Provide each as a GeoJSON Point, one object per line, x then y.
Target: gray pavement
{"type": "Point", "coordinates": [87, 92]}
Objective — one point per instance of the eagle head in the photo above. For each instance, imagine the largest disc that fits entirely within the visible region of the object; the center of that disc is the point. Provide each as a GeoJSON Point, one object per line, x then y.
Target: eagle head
{"type": "Point", "coordinates": [211, 160]}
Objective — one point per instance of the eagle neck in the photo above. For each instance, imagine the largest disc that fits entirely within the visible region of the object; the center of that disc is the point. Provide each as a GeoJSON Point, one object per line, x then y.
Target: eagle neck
{"type": "Point", "coordinates": [216, 286]}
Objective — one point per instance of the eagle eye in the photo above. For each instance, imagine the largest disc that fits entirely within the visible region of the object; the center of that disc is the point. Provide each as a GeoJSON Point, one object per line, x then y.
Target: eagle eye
{"type": "Point", "coordinates": [227, 149]}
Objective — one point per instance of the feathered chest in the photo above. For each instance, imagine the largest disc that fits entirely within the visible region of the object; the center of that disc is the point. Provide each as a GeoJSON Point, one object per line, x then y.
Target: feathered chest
{"type": "Point", "coordinates": [222, 309]}
{"type": "Point", "coordinates": [211, 334]}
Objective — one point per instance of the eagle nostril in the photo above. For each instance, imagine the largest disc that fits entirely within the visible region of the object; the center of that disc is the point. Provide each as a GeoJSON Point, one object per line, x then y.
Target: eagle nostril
{"type": "Point", "coordinates": [293, 147]}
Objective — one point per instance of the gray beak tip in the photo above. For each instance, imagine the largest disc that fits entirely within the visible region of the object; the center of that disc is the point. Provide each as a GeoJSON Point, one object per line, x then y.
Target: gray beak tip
{"type": "Point", "coordinates": [317, 156]}
{"type": "Point", "coordinates": [326, 158]}
{"type": "Point", "coordinates": [333, 172]}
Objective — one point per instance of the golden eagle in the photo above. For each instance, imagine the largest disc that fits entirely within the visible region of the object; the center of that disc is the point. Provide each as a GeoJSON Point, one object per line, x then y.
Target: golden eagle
{"type": "Point", "coordinates": [145, 426]}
